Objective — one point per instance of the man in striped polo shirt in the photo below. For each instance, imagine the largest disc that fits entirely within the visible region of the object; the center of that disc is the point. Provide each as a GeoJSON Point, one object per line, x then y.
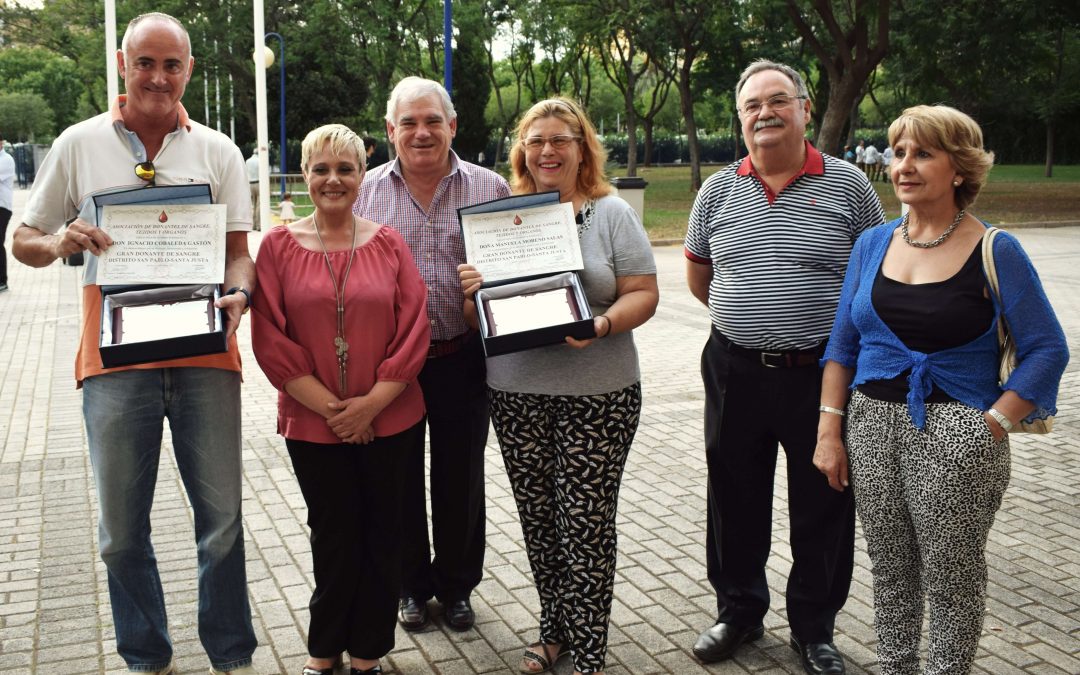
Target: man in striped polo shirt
{"type": "Point", "coordinates": [767, 245]}
{"type": "Point", "coordinates": [418, 194]}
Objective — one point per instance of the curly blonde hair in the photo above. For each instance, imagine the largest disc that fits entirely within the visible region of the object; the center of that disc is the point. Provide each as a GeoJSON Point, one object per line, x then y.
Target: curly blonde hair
{"type": "Point", "coordinates": [948, 129]}
{"type": "Point", "coordinates": [592, 182]}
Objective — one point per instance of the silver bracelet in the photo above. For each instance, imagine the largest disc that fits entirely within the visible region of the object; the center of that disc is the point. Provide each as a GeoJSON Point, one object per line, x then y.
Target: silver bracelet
{"type": "Point", "coordinates": [1001, 419]}
{"type": "Point", "coordinates": [830, 409]}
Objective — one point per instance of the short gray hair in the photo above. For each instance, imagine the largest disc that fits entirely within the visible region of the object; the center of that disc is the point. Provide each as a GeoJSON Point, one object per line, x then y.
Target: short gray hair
{"type": "Point", "coordinates": [764, 64]}
{"type": "Point", "coordinates": [154, 16]}
{"type": "Point", "coordinates": [413, 89]}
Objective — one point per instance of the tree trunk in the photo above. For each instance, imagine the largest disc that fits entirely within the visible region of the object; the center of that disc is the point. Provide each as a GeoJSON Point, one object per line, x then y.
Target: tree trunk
{"type": "Point", "coordinates": [631, 140]}
{"type": "Point", "coordinates": [686, 104]}
{"type": "Point", "coordinates": [842, 95]}
{"type": "Point", "coordinates": [648, 124]}
{"type": "Point", "coordinates": [1049, 148]}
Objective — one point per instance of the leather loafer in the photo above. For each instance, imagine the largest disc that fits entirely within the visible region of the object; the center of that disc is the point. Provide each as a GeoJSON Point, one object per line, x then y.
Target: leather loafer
{"type": "Point", "coordinates": [819, 658]}
{"type": "Point", "coordinates": [460, 615]}
{"type": "Point", "coordinates": [413, 614]}
{"type": "Point", "coordinates": [721, 641]}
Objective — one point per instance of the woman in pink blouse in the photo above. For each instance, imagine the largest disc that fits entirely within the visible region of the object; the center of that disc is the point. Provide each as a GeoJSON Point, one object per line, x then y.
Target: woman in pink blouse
{"type": "Point", "coordinates": [340, 328]}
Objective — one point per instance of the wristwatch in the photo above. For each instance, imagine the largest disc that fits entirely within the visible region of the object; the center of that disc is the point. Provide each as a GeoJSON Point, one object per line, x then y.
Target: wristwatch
{"type": "Point", "coordinates": [1001, 419]}
{"type": "Point", "coordinates": [247, 296]}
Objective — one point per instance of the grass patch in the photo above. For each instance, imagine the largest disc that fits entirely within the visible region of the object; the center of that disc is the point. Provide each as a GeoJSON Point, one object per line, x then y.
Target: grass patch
{"type": "Point", "coordinates": [1014, 194]}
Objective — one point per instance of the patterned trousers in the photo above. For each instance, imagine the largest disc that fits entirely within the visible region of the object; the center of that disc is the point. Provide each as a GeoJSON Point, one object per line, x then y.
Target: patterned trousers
{"type": "Point", "coordinates": [564, 456]}
{"type": "Point", "coordinates": [927, 500]}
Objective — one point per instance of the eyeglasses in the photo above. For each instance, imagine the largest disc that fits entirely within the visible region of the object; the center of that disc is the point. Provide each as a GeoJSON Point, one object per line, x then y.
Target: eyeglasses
{"type": "Point", "coordinates": [778, 102]}
{"type": "Point", "coordinates": [559, 142]}
{"type": "Point", "coordinates": [146, 172]}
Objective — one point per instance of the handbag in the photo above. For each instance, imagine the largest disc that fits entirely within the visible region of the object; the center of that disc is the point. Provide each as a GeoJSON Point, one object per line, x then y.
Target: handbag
{"type": "Point", "coordinates": [1008, 361]}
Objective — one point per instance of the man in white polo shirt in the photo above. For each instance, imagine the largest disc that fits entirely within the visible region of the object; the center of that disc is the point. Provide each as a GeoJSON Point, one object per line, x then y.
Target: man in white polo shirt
{"type": "Point", "coordinates": [767, 246]}
{"type": "Point", "coordinates": [146, 137]}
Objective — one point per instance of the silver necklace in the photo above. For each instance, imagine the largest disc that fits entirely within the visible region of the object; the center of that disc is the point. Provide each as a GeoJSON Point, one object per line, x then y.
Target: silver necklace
{"type": "Point", "coordinates": [929, 244]}
{"type": "Point", "coordinates": [341, 346]}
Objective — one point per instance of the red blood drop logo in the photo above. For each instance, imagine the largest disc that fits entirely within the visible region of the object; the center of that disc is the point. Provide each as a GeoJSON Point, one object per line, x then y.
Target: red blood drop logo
{"type": "Point", "coordinates": [163, 218]}
{"type": "Point", "coordinates": [517, 220]}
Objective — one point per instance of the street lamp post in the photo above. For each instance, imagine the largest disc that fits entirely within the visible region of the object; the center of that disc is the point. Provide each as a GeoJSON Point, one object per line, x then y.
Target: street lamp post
{"type": "Point", "coordinates": [270, 61]}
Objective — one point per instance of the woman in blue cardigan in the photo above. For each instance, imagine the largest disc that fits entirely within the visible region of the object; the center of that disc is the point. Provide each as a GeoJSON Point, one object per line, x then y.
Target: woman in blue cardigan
{"type": "Point", "coordinates": [912, 366]}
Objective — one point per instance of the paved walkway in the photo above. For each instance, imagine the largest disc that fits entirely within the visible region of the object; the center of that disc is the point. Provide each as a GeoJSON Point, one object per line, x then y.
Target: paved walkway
{"type": "Point", "coordinates": [54, 612]}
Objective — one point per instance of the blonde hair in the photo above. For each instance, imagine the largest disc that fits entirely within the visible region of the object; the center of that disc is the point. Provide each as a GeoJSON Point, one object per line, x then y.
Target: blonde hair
{"type": "Point", "coordinates": [591, 180]}
{"type": "Point", "coordinates": [949, 130]}
{"type": "Point", "coordinates": [338, 137]}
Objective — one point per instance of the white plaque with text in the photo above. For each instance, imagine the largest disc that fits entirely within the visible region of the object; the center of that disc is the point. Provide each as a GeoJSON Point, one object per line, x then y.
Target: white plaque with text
{"type": "Point", "coordinates": [163, 244]}
{"type": "Point", "coordinates": [523, 242]}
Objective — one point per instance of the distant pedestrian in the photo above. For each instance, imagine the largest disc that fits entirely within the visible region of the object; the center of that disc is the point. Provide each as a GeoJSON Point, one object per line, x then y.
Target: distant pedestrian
{"type": "Point", "coordinates": [849, 154]}
{"type": "Point", "coordinates": [872, 159]}
{"type": "Point", "coordinates": [886, 162]}
{"type": "Point", "coordinates": [860, 153]}
{"type": "Point", "coordinates": [252, 168]}
{"type": "Point", "coordinates": [369, 149]}
{"type": "Point", "coordinates": [286, 210]}
{"type": "Point", "coordinates": [7, 203]}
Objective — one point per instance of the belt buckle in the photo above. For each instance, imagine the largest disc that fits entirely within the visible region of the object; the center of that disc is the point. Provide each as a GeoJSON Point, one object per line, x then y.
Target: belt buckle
{"type": "Point", "coordinates": [766, 355]}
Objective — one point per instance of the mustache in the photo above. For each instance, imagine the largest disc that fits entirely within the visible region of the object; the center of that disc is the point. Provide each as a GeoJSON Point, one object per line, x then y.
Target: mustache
{"type": "Point", "coordinates": [765, 124]}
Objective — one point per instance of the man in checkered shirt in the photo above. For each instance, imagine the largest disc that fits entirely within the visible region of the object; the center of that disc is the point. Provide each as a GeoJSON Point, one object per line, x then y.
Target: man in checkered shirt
{"type": "Point", "coordinates": [418, 194]}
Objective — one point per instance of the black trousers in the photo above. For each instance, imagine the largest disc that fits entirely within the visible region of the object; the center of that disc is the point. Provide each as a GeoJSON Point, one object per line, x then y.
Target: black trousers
{"type": "Point", "coordinates": [750, 408]}
{"type": "Point", "coordinates": [455, 393]}
{"type": "Point", "coordinates": [5, 218]}
{"type": "Point", "coordinates": [353, 495]}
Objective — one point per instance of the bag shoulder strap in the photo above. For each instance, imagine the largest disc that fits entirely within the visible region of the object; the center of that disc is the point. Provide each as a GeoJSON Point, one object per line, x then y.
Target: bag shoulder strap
{"type": "Point", "coordinates": [991, 276]}
{"type": "Point", "coordinates": [988, 260]}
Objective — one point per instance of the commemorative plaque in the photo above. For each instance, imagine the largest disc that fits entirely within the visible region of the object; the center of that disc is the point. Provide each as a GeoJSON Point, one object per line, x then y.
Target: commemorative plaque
{"type": "Point", "coordinates": [162, 274]}
{"type": "Point", "coordinates": [527, 249]}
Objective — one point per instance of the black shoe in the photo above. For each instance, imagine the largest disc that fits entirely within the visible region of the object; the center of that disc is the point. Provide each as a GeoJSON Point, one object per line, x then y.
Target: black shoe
{"type": "Point", "coordinates": [413, 614]}
{"type": "Point", "coordinates": [721, 641]}
{"type": "Point", "coordinates": [311, 670]}
{"type": "Point", "coordinates": [819, 658]}
{"type": "Point", "coordinates": [374, 670]}
{"type": "Point", "coordinates": [460, 615]}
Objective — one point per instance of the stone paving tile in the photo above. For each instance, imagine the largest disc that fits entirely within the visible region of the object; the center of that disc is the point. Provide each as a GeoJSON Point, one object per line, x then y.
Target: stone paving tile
{"type": "Point", "coordinates": [54, 612]}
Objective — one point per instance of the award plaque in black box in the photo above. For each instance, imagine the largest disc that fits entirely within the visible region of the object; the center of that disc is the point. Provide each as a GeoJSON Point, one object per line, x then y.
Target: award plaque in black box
{"type": "Point", "coordinates": [526, 247]}
{"type": "Point", "coordinates": [167, 233]}
{"type": "Point", "coordinates": [142, 324]}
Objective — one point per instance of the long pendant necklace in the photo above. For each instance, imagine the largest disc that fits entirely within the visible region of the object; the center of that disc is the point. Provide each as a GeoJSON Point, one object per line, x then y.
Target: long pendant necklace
{"type": "Point", "coordinates": [341, 345]}
{"type": "Point", "coordinates": [929, 244]}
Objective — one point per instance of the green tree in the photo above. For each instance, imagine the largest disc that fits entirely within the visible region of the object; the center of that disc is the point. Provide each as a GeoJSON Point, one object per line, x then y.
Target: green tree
{"type": "Point", "coordinates": [25, 117]}
{"type": "Point", "coordinates": [55, 78]}
{"type": "Point", "coordinates": [470, 59]}
{"type": "Point", "coordinates": [849, 41]}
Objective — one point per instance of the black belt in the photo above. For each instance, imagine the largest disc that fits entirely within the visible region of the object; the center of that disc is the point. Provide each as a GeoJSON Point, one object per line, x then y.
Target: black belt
{"type": "Point", "coordinates": [771, 358]}
{"type": "Point", "coordinates": [447, 347]}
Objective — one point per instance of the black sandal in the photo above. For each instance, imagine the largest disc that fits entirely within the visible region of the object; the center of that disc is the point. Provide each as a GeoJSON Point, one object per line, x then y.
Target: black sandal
{"type": "Point", "coordinates": [545, 660]}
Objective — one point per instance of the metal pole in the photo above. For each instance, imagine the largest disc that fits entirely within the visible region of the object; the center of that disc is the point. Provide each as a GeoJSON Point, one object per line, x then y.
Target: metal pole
{"type": "Point", "coordinates": [448, 48]}
{"type": "Point", "coordinates": [112, 85]}
{"type": "Point", "coordinates": [260, 114]}
{"type": "Point", "coordinates": [281, 58]}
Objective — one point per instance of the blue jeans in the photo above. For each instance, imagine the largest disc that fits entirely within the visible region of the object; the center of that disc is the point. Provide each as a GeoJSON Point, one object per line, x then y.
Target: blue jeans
{"type": "Point", "coordinates": [124, 413]}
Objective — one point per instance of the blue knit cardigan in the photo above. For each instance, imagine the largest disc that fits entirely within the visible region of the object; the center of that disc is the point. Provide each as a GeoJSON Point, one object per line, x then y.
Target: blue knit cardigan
{"type": "Point", "coordinates": [968, 373]}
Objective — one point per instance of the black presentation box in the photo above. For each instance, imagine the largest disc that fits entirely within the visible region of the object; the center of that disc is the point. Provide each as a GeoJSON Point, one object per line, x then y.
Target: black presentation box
{"type": "Point", "coordinates": [169, 309]}
{"type": "Point", "coordinates": [527, 249]}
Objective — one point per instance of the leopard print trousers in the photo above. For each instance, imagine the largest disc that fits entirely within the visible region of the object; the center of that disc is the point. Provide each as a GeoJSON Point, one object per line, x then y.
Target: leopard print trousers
{"type": "Point", "coordinates": [927, 499]}
{"type": "Point", "coordinates": [564, 456]}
